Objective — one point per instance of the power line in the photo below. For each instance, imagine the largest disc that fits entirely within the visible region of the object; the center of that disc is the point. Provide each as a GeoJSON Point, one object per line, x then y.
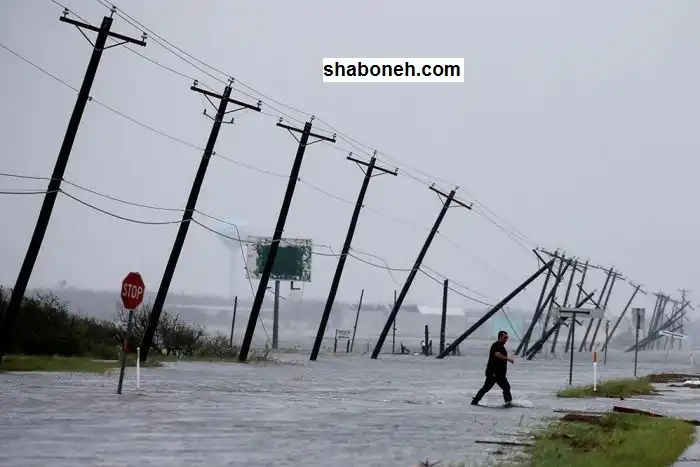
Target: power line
{"type": "Point", "coordinates": [193, 146]}
{"type": "Point", "coordinates": [135, 23]}
{"type": "Point", "coordinates": [513, 233]}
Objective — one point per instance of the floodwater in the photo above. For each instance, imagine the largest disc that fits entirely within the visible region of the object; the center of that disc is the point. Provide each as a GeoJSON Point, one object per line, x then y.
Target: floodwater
{"type": "Point", "coordinates": [343, 410]}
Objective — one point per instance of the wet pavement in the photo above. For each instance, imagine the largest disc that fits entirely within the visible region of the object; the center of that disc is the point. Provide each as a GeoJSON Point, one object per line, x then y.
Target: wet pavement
{"type": "Point", "coordinates": [343, 410]}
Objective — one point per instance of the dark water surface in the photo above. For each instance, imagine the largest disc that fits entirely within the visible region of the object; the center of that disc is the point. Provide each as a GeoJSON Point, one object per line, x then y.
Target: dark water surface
{"type": "Point", "coordinates": [344, 410]}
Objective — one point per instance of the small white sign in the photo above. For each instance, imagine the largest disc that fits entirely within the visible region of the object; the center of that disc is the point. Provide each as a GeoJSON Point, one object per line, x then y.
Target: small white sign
{"type": "Point", "coordinates": [593, 313]}
{"type": "Point", "coordinates": [342, 334]}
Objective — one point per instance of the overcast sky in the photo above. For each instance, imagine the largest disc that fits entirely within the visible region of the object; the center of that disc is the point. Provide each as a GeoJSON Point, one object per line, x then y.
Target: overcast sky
{"type": "Point", "coordinates": [574, 125]}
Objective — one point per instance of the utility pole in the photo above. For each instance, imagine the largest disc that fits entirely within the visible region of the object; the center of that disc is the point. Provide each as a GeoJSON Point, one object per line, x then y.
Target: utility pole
{"type": "Point", "coordinates": [494, 310]}
{"type": "Point", "coordinates": [279, 228]}
{"type": "Point", "coordinates": [221, 112]}
{"type": "Point", "coordinates": [393, 330]}
{"type": "Point", "coordinates": [233, 320]}
{"type": "Point", "coordinates": [443, 321]}
{"type": "Point", "coordinates": [346, 247]}
{"type": "Point", "coordinates": [404, 290]}
{"type": "Point", "coordinates": [103, 32]}
{"type": "Point", "coordinates": [522, 346]}
{"type": "Point", "coordinates": [560, 276]}
{"type": "Point", "coordinates": [619, 319]}
{"type": "Point", "coordinates": [565, 303]}
{"type": "Point", "coordinates": [590, 321]}
{"type": "Point", "coordinates": [546, 303]}
{"type": "Point", "coordinates": [357, 317]}
{"type": "Point", "coordinates": [276, 317]}
{"type": "Point", "coordinates": [615, 276]}
{"type": "Point", "coordinates": [578, 298]}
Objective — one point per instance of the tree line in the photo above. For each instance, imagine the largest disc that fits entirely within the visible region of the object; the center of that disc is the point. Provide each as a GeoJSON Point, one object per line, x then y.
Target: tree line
{"type": "Point", "coordinates": [46, 326]}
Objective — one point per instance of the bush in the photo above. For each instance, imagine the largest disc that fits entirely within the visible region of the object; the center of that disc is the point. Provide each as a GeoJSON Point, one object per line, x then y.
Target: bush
{"type": "Point", "coordinates": [46, 327]}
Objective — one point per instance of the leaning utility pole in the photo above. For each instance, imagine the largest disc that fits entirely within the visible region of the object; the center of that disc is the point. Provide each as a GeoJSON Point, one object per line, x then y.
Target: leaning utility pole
{"type": "Point", "coordinates": [560, 275]}
{"type": "Point", "coordinates": [622, 315]}
{"type": "Point", "coordinates": [565, 303]}
{"type": "Point", "coordinates": [494, 310]}
{"type": "Point", "coordinates": [159, 302]}
{"type": "Point", "coordinates": [605, 307]}
{"type": "Point", "coordinates": [535, 316]}
{"type": "Point", "coordinates": [547, 301]}
{"type": "Point", "coordinates": [346, 247]}
{"type": "Point", "coordinates": [279, 228]}
{"type": "Point", "coordinates": [404, 290]}
{"type": "Point", "coordinates": [598, 302]}
{"type": "Point", "coordinates": [578, 297]}
{"type": "Point", "coordinates": [103, 32]}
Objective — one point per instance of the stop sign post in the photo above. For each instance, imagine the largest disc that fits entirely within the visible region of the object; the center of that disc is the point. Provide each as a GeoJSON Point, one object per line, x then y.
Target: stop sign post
{"type": "Point", "coordinates": [132, 292]}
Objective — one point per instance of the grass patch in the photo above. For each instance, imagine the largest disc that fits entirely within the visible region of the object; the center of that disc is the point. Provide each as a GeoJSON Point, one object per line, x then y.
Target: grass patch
{"type": "Point", "coordinates": [623, 387]}
{"type": "Point", "coordinates": [69, 364]}
{"type": "Point", "coordinates": [610, 440]}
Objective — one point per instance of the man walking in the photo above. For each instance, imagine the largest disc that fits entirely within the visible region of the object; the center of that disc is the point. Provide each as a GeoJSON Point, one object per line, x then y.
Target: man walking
{"type": "Point", "coordinates": [496, 370]}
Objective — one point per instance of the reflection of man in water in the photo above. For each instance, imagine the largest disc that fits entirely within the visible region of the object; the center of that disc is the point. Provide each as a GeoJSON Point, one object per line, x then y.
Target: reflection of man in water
{"type": "Point", "coordinates": [496, 369]}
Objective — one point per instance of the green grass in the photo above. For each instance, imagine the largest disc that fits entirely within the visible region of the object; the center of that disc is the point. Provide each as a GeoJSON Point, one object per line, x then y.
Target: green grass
{"type": "Point", "coordinates": [70, 364]}
{"type": "Point", "coordinates": [623, 387]}
{"type": "Point", "coordinates": [611, 440]}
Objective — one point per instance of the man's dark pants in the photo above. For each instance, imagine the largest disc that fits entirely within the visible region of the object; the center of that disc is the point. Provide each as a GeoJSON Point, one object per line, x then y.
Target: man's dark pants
{"type": "Point", "coordinates": [494, 378]}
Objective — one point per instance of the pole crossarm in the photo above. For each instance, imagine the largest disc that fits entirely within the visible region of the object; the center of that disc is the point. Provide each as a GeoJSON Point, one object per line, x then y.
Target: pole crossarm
{"type": "Point", "coordinates": [121, 37]}
{"type": "Point", "coordinates": [257, 107]}
{"type": "Point", "coordinates": [376, 167]}
{"type": "Point", "coordinates": [454, 200]}
{"type": "Point", "coordinates": [315, 135]}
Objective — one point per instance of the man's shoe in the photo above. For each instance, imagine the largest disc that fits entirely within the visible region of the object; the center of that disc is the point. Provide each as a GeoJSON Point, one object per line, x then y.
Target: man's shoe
{"type": "Point", "coordinates": [509, 404]}
{"type": "Point", "coordinates": [474, 402]}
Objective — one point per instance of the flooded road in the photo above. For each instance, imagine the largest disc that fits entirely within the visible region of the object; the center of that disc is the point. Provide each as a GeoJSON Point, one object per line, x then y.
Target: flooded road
{"type": "Point", "coordinates": [343, 410]}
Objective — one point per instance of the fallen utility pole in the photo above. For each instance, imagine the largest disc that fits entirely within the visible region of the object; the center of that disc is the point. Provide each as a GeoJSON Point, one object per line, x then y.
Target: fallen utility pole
{"type": "Point", "coordinates": [615, 276]}
{"type": "Point", "coordinates": [653, 337]}
{"type": "Point", "coordinates": [9, 317]}
{"type": "Point", "coordinates": [619, 319]}
{"type": "Point", "coordinates": [547, 301]}
{"type": "Point", "coordinates": [658, 313]}
{"type": "Point", "coordinates": [560, 275]}
{"type": "Point", "coordinates": [371, 166]}
{"type": "Point", "coordinates": [495, 309]}
{"type": "Point", "coordinates": [565, 303]}
{"type": "Point", "coordinates": [578, 297]}
{"type": "Point", "coordinates": [658, 318]}
{"type": "Point", "coordinates": [404, 290]}
{"type": "Point", "coordinates": [535, 316]}
{"type": "Point", "coordinates": [598, 302]}
{"type": "Point", "coordinates": [279, 228]}
{"type": "Point", "coordinates": [159, 302]}
{"type": "Point", "coordinates": [357, 317]}
{"type": "Point", "coordinates": [537, 346]}
{"type": "Point", "coordinates": [443, 319]}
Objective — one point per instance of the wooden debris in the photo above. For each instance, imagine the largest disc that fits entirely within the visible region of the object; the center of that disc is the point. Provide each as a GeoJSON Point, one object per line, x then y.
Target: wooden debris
{"type": "Point", "coordinates": [582, 412]}
{"type": "Point", "coordinates": [621, 409]}
{"type": "Point", "coordinates": [502, 442]}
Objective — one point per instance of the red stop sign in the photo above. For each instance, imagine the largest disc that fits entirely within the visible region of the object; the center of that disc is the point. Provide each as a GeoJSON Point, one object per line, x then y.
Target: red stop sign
{"type": "Point", "coordinates": [132, 290]}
